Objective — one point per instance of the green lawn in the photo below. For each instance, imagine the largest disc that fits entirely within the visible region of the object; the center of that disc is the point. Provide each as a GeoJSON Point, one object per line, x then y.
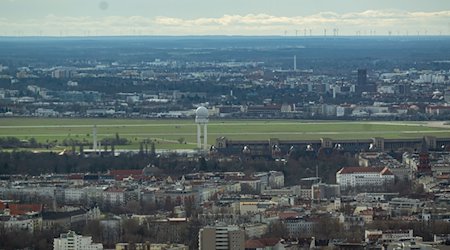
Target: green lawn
{"type": "Point", "coordinates": [166, 133]}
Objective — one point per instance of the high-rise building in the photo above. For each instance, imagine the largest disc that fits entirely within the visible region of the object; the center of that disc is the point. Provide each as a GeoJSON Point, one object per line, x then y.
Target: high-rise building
{"type": "Point", "coordinates": [362, 77]}
{"type": "Point", "coordinates": [73, 241]}
{"type": "Point", "coordinates": [221, 238]}
{"type": "Point", "coordinates": [62, 73]}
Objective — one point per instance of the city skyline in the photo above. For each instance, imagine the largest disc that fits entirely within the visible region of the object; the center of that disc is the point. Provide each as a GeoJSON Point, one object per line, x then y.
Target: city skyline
{"type": "Point", "coordinates": [200, 17]}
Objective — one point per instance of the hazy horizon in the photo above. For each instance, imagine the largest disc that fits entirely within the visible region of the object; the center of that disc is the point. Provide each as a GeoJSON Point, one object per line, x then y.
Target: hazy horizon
{"type": "Point", "coordinates": [216, 17]}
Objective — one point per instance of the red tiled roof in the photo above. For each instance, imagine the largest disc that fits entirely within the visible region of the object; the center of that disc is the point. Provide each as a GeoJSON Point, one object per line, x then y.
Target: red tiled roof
{"type": "Point", "coordinates": [21, 209]}
{"type": "Point", "coordinates": [288, 214]}
{"type": "Point", "coordinates": [351, 170]}
{"type": "Point", "coordinates": [120, 174]}
{"type": "Point", "coordinates": [254, 244]}
{"type": "Point", "coordinates": [443, 177]}
{"type": "Point", "coordinates": [261, 243]}
{"type": "Point", "coordinates": [386, 171]}
{"type": "Point", "coordinates": [270, 241]}
{"type": "Point", "coordinates": [366, 212]}
{"type": "Point", "coordinates": [438, 107]}
{"type": "Point", "coordinates": [127, 172]}
{"type": "Point", "coordinates": [75, 177]}
{"type": "Point", "coordinates": [2, 205]}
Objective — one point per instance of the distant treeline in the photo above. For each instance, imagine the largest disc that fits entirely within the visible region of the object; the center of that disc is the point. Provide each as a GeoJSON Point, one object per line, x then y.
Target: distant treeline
{"type": "Point", "coordinates": [11, 142]}
{"type": "Point", "coordinates": [14, 142]}
{"type": "Point", "coordinates": [29, 163]}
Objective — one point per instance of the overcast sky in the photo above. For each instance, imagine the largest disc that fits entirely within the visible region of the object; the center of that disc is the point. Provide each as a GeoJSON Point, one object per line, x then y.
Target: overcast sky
{"type": "Point", "coordinates": [224, 17]}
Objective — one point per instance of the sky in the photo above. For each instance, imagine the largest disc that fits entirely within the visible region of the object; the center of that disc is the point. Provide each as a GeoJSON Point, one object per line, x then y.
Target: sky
{"type": "Point", "coordinates": [224, 17]}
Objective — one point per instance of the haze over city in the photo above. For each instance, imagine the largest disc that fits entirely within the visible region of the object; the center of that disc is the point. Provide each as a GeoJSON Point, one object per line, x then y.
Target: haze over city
{"type": "Point", "coordinates": [225, 124]}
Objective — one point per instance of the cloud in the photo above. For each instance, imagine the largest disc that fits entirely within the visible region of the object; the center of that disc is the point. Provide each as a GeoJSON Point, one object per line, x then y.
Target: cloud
{"type": "Point", "coordinates": [381, 21]}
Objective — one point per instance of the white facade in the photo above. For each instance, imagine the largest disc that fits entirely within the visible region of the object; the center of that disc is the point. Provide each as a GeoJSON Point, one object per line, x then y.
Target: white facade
{"type": "Point", "coordinates": [29, 224]}
{"type": "Point", "coordinates": [74, 194]}
{"type": "Point", "coordinates": [364, 176]}
{"type": "Point", "coordinates": [276, 179]}
{"type": "Point", "coordinates": [299, 227]}
{"type": "Point", "coordinates": [114, 196]}
{"type": "Point", "coordinates": [72, 241]}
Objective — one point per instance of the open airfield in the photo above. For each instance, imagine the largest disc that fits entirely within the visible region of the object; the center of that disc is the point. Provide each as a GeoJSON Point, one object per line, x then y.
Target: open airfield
{"type": "Point", "coordinates": [181, 134]}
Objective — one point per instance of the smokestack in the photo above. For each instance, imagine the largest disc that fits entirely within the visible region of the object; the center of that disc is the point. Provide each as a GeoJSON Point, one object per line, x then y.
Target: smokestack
{"type": "Point", "coordinates": [295, 63]}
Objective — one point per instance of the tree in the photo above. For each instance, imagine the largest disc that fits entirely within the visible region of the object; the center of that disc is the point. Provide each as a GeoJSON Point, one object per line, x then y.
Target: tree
{"type": "Point", "coordinates": [277, 229]}
{"type": "Point", "coordinates": [93, 228]}
{"type": "Point", "coordinates": [153, 149]}
{"type": "Point", "coordinates": [328, 228]}
{"type": "Point", "coordinates": [132, 232]}
{"type": "Point", "coordinates": [168, 205]}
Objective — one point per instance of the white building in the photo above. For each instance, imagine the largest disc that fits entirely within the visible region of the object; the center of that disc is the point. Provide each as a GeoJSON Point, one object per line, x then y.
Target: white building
{"type": "Point", "coordinates": [364, 176]}
{"type": "Point", "coordinates": [276, 179]}
{"type": "Point", "coordinates": [404, 206]}
{"type": "Point", "coordinates": [254, 207]}
{"type": "Point", "coordinates": [115, 196]}
{"type": "Point", "coordinates": [389, 235]}
{"type": "Point", "coordinates": [74, 195]}
{"type": "Point", "coordinates": [72, 241]}
{"type": "Point", "coordinates": [299, 227]}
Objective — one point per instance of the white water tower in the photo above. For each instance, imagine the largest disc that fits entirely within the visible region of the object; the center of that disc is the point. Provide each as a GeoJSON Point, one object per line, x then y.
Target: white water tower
{"type": "Point", "coordinates": [201, 118]}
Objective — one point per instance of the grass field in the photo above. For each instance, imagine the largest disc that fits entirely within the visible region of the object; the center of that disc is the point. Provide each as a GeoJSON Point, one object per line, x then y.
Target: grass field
{"type": "Point", "coordinates": [167, 133]}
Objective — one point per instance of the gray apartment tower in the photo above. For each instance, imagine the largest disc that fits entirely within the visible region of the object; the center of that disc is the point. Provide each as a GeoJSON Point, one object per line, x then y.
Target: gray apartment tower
{"type": "Point", "coordinates": [221, 238]}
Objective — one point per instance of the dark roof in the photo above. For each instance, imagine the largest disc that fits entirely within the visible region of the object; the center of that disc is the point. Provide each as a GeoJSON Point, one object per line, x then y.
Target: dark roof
{"type": "Point", "coordinates": [351, 170]}
{"type": "Point", "coordinates": [61, 215]}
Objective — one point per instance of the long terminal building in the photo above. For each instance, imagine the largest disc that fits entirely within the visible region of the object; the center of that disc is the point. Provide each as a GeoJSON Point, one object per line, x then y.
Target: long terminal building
{"type": "Point", "coordinates": [281, 147]}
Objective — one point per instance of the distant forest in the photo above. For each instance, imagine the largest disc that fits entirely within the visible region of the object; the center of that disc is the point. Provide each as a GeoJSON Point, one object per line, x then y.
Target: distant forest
{"type": "Point", "coordinates": [317, 53]}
